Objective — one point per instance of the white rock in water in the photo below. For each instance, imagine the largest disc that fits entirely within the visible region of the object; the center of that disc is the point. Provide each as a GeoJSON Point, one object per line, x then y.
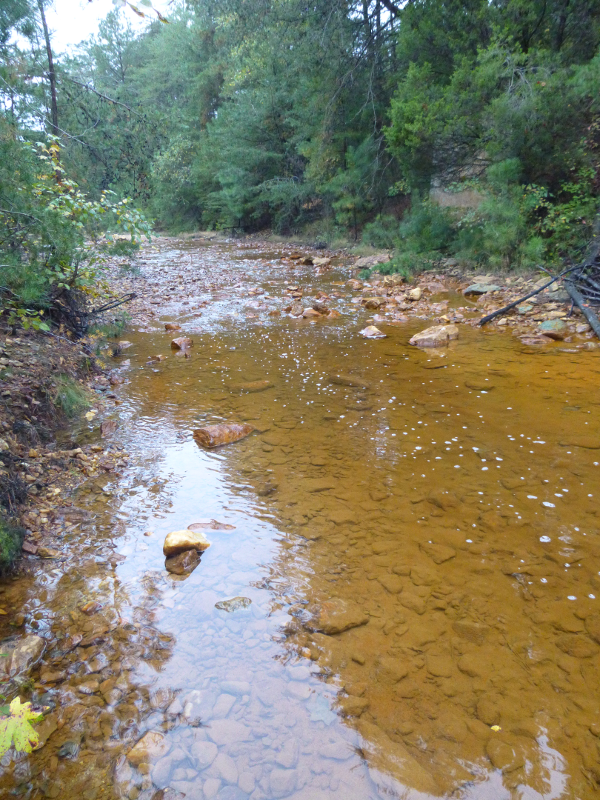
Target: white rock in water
{"type": "Point", "coordinates": [436, 336]}
{"type": "Point", "coordinates": [26, 654]}
{"type": "Point", "coordinates": [415, 294]}
{"type": "Point", "coordinates": [149, 748]}
{"type": "Point", "coordinates": [180, 541]}
{"type": "Point", "coordinates": [371, 332]}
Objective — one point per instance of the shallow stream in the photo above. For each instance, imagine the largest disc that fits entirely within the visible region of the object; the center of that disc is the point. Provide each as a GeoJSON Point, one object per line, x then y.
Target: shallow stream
{"type": "Point", "coordinates": [446, 503]}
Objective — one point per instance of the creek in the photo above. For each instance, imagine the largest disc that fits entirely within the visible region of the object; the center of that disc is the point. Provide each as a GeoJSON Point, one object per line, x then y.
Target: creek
{"type": "Point", "coordinates": [438, 508]}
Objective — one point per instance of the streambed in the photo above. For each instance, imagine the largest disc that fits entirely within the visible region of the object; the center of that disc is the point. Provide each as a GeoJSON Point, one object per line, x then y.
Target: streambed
{"type": "Point", "coordinates": [417, 532]}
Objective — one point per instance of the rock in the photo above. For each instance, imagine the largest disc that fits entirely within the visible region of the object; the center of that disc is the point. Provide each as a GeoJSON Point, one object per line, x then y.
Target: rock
{"type": "Point", "coordinates": [415, 294]}
{"type": "Point", "coordinates": [392, 583]}
{"type": "Point", "coordinates": [172, 326]}
{"type": "Point", "coordinates": [228, 731]}
{"type": "Point", "coordinates": [503, 756]}
{"type": "Point", "coordinates": [472, 631]}
{"type": "Point", "coordinates": [251, 387]}
{"type": "Point", "coordinates": [592, 626]}
{"type": "Point", "coordinates": [413, 602]}
{"type": "Point", "coordinates": [47, 552]}
{"type": "Point", "coordinates": [225, 766]}
{"type": "Point", "coordinates": [390, 763]}
{"type": "Point", "coordinates": [374, 302]}
{"type": "Point", "coordinates": [179, 541]}
{"type": "Point", "coordinates": [149, 748]}
{"type": "Point", "coordinates": [183, 563]}
{"type": "Point", "coordinates": [211, 525]}
{"type": "Point", "coordinates": [26, 654]}
{"type": "Point", "coordinates": [29, 547]}
{"type": "Point", "coordinates": [436, 336]}
{"type": "Point", "coordinates": [438, 552]}
{"type": "Point", "coordinates": [371, 332]}
{"type": "Point", "coordinates": [4, 446]}
{"type": "Point", "coordinates": [524, 308]}
{"type": "Point", "coordinates": [352, 706]}
{"type": "Point", "coordinates": [283, 782]}
{"type": "Point", "coordinates": [554, 328]}
{"type": "Point", "coordinates": [234, 604]}
{"type": "Point", "coordinates": [182, 343]}
{"type": "Point", "coordinates": [354, 284]}
{"type": "Point", "coordinates": [481, 288]}
{"type": "Point", "coordinates": [336, 616]}
{"type": "Point", "coordinates": [108, 427]}
{"type": "Point", "coordinates": [576, 646]}
{"type": "Point", "coordinates": [440, 666]}
{"type": "Point", "coordinates": [392, 669]}
{"type": "Point", "coordinates": [224, 433]}
{"type": "Point", "coordinates": [203, 753]}
{"type": "Point", "coordinates": [348, 380]}
{"type": "Point", "coordinates": [333, 313]}
{"type": "Point", "coordinates": [124, 344]}
{"type": "Point", "coordinates": [307, 313]}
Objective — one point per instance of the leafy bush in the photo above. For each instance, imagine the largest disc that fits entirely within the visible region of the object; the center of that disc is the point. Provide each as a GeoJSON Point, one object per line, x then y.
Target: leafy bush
{"type": "Point", "coordinates": [11, 539]}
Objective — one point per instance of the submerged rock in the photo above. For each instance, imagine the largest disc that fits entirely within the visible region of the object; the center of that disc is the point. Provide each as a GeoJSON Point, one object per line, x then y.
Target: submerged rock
{"type": "Point", "coordinates": [172, 326]}
{"type": "Point", "coordinates": [253, 386]}
{"type": "Point", "coordinates": [336, 616]}
{"type": "Point", "coordinates": [180, 541]}
{"type": "Point", "coordinates": [183, 563]}
{"type": "Point", "coordinates": [211, 525]}
{"type": "Point", "coordinates": [391, 764]}
{"type": "Point", "coordinates": [436, 336]}
{"type": "Point", "coordinates": [224, 433]}
{"type": "Point", "coordinates": [347, 380]}
{"type": "Point", "coordinates": [234, 604]}
{"type": "Point", "coordinates": [149, 748]}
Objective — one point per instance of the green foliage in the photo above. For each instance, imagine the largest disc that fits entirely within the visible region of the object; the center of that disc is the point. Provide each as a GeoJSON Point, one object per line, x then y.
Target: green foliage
{"type": "Point", "coordinates": [69, 396]}
{"type": "Point", "coordinates": [16, 729]}
{"type": "Point", "coordinates": [52, 236]}
{"type": "Point", "coordinates": [11, 538]}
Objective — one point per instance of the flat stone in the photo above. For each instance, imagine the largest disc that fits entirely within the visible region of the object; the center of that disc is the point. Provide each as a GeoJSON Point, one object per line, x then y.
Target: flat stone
{"type": "Point", "coordinates": [436, 336]}
{"type": "Point", "coordinates": [203, 753]}
{"type": "Point", "coordinates": [472, 631]}
{"type": "Point", "coordinates": [438, 552]}
{"type": "Point", "coordinates": [179, 541]}
{"type": "Point", "coordinates": [554, 328]}
{"type": "Point", "coordinates": [181, 343]}
{"type": "Point", "coordinates": [392, 669]}
{"type": "Point", "coordinates": [392, 583]}
{"type": "Point", "coordinates": [149, 748]}
{"type": "Point", "coordinates": [481, 288]}
{"type": "Point", "coordinates": [225, 766]}
{"type": "Point", "coordinates": [228, 731]}
{"type": "Point", "coordinates": [503, 756]}
{"type": "Point", "coordinates": [233, 604]}
{"type": "Point", "coordinates": [283, 782]}
{"type": "Point", "coordinates": [26, 654]}
{"type": "Point", "coordinates": [576, 646]}
{"type": "Point", "coordinates": [440, 666]}
{"type": "Point", "coordinates": [336, 616]}
{"type": "Point", "coordinates": [238, 688]}
{"type": "Point", "coordinates": [347, 380]}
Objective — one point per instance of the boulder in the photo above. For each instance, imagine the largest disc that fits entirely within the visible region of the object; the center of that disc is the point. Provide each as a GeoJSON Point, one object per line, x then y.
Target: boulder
{"type": "Point", "coordinates": [224, 433]}
{"type": "Point", "coordinates": [436, 336]}
{"type": "Point", "coordinates": [180, 541]}
{"type": "Point", "coordinates": [182, 343]}
{"type": "Point", "coordinates": [336, 616]}
{"type": "Point", "coordinates": [368, 262]}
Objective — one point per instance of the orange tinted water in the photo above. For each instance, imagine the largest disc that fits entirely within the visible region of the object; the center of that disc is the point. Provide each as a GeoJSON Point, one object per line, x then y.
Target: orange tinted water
{"type": "Point", "coordinates": [448, 500]}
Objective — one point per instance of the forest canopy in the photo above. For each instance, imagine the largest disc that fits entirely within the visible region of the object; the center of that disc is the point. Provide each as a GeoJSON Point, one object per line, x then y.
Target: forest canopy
{"type": "Point", "coordinates": [434, 127]}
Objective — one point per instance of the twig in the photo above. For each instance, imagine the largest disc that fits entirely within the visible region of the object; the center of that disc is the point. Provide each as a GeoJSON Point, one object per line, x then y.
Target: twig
{"type": "Point", "coordinates": [127, 298]}
{"type": "Point", "coordinates": [103, 96]}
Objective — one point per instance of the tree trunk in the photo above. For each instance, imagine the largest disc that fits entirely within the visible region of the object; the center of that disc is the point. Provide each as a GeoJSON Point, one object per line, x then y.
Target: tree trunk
{"type": "Point", "coordinates": [51, 72]}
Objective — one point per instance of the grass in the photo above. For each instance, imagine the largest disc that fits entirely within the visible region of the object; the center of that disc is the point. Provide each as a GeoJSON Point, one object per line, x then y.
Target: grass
{"type": "Point", "coordinates": [69, 396]}
{"type": "Point", "coordinates": [11, 539]}
{"type": "Point", "coordinates": [111, 329]}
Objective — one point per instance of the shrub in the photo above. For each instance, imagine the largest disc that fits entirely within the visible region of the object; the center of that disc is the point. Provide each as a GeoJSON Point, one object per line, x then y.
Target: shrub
{"type": "Point", "coordinates": [69, 396]}
{"type": "Point", "coordinates": [11, 539]}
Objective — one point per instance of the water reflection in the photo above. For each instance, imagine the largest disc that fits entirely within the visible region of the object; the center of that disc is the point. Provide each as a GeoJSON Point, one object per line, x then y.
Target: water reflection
{"type": "Point", "coordinates": [438, 512]}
